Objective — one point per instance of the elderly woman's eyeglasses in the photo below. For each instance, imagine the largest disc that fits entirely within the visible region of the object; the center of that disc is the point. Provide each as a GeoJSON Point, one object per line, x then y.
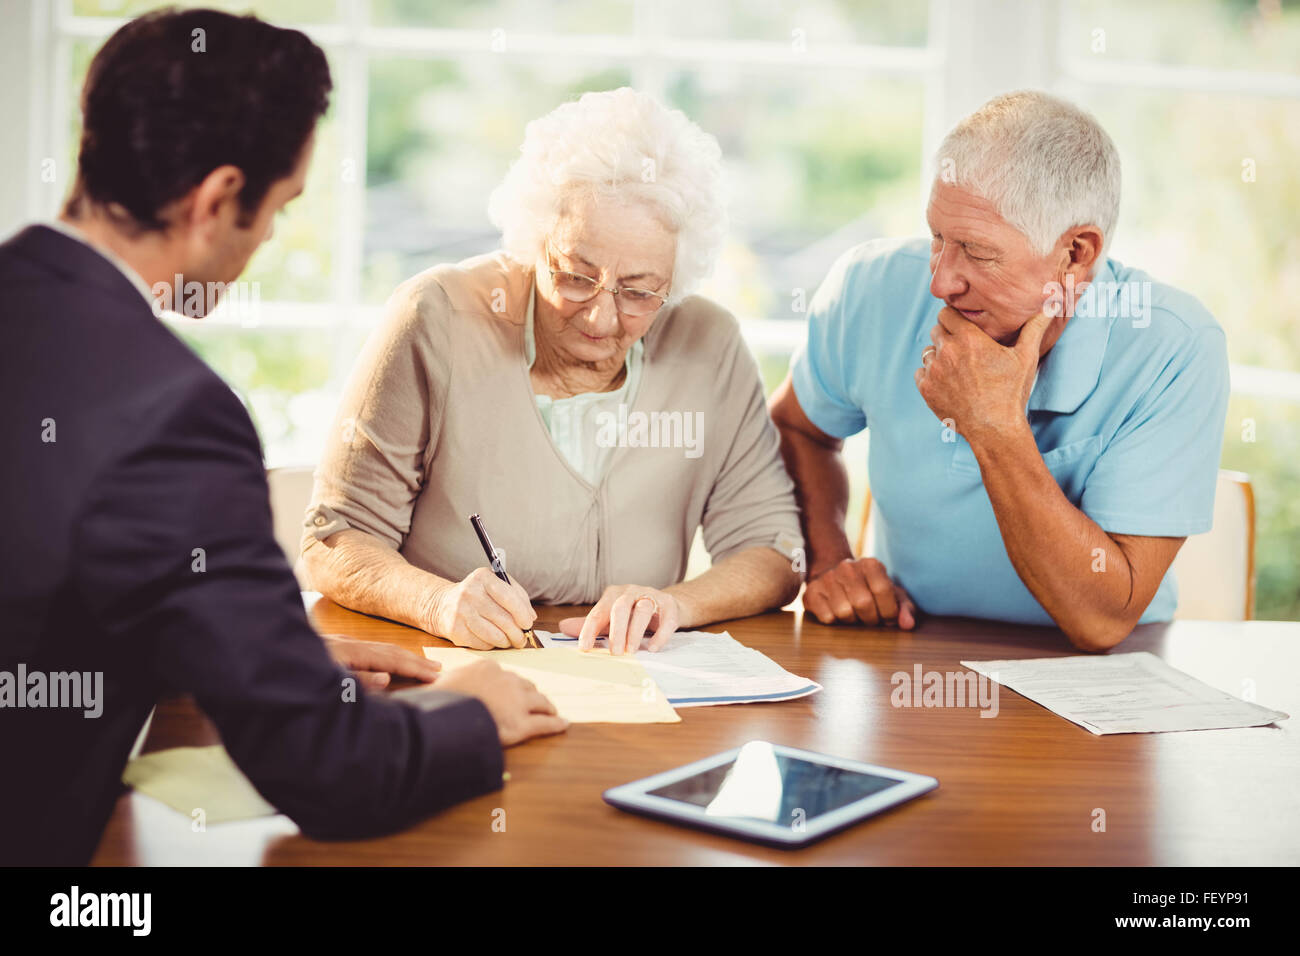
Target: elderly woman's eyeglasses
{"type": "Point", "coordinates": [579, 288]}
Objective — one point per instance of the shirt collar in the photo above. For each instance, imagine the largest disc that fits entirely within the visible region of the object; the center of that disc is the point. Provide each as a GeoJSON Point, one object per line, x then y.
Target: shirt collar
{"type": "Point", "coordinates": [1069, 372]}
{"type": "Point", "coordinates": [132, 276]}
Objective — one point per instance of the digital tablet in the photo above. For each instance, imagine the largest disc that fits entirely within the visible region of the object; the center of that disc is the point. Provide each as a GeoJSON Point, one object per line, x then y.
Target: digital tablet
{"type": "Point", "coordinates": [770, 794]}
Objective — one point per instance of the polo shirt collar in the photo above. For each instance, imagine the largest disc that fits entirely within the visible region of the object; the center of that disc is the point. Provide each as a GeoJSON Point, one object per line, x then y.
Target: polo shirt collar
{"type": "Point", "coordinates": [1069, 373]}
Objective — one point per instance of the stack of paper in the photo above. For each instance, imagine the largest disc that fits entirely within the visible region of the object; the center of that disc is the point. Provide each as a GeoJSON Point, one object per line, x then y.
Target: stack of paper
{"type": "Point", "coordinates": [592, 688]}
{"type": "Point", "coordinates": [697, 668]}
{"type": "Point", "coordinates": [1124, 694]}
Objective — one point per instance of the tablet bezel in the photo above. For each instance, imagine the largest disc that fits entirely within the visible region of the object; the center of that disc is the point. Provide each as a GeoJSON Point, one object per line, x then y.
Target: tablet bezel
{"type": "Point", "coordinates": [636, 798]}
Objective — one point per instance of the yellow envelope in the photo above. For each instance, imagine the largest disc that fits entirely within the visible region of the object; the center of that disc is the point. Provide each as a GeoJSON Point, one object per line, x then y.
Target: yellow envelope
{"type": "Point", "coordinates": [193, 778]}
{"type": "Point", "coordinates": [590, 688]}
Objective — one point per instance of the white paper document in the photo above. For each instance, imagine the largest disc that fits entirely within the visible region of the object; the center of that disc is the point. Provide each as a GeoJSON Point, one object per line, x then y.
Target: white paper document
{"type": "Point", "coordinates": [1124, 694]}
{"type": "Point", "coordinates": [698, 668]}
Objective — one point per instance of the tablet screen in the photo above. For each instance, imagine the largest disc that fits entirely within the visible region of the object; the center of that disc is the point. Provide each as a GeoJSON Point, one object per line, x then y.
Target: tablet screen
{"type": "Point", "coordinates": [761, 784]}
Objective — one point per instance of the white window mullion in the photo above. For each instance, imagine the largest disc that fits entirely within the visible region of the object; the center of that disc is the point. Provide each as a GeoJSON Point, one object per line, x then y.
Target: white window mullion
{"type": "Point", "coordinates": [351, 89]}
{"type": "Point", "coordinates": [1184, 79]}
{"type": "Point", "coordinates": [933, 128]}
{"type": "Point", "coordinates": [649, 71]}
{"type": "Point", "coordinates": [24, 115]}
{"type": "Point", "coordinates": [352, 86]}
{"type": "Point", "coordinates": [64, 100]}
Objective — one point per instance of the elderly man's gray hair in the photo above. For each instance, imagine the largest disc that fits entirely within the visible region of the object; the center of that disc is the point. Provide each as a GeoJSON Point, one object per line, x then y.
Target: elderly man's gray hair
{"type": "Point", "coordinates": [619, 144]}
{"type": "Point", "coordinates": [1046, 165]}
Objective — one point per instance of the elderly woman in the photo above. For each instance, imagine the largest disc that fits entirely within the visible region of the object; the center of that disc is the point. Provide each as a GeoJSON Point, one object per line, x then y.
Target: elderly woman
{"type": "Point", "coordinates": [571, 390]}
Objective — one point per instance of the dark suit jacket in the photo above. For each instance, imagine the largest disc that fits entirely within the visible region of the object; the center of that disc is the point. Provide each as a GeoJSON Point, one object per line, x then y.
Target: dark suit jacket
{"type": "Point", "coordinates": [154, 457]}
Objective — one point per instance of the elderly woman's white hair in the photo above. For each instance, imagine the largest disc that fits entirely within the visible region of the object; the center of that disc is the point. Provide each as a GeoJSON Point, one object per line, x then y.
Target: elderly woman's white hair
{"type": "Point", "coordinates": [1046, 165]}
{"type": "Point", "coordinates": [618, 144]}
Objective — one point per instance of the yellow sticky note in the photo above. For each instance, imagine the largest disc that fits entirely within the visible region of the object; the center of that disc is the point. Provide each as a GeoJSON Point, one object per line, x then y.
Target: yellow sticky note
{"type": "Point", "coordinates": [197, 778]}
{"type": "Point", "coordinates": [590, 688]}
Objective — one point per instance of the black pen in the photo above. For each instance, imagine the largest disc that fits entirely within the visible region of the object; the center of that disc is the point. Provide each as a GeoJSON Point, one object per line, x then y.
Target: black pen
{"type": "Point", "coordinates": [497, 568]}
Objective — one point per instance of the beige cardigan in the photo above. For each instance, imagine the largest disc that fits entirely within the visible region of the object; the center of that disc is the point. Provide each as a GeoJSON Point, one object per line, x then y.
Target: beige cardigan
{"type": "Point", "coordinates": [439, 421]}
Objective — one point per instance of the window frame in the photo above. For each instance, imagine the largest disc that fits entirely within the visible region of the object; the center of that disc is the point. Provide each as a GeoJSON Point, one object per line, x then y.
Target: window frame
{"type": "Point", "coordinates": [996, 35]}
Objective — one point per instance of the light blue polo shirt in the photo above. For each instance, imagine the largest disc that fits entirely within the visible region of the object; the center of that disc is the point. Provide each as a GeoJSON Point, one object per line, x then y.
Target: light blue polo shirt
{"type": "Point", "coordinates": [1128, 412]}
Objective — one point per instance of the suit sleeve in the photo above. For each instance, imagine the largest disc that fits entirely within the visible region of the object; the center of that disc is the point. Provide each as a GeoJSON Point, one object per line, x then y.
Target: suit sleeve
{"type": "Point", "coordinates": [175, 555]}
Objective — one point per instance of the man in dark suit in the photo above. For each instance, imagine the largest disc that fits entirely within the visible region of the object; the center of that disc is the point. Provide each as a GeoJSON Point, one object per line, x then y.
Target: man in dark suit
{"type": "Point", "coordinates": [139, 555]}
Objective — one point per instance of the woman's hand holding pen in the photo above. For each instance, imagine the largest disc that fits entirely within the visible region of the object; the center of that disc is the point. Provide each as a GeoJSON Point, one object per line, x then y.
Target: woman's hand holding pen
{"type": "Point", "coordinates": [482, 612]}
{"type": "Point", "coordinates": [625, 612]}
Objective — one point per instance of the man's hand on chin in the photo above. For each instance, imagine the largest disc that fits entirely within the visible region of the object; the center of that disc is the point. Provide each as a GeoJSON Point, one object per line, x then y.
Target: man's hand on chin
{"type": "Point", "coordinates": [968, 378]}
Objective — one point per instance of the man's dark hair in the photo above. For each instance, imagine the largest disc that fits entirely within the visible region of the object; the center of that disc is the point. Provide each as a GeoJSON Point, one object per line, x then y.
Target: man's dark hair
{"type": "Point", "coordinates": [164, 105]}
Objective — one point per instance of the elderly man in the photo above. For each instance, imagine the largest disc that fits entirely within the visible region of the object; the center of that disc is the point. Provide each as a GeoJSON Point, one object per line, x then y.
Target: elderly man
{"type": "Point", "coordinates": [1045, 423]}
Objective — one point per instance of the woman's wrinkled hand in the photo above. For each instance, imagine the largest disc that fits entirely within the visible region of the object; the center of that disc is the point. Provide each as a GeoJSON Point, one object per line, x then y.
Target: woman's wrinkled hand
{"type": "Point", "coordinates": [625, 612]}
{"type": "Point", "coordinates": [482, 612]}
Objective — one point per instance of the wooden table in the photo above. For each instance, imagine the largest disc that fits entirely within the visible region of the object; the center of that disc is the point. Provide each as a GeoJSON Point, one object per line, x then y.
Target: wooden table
{"type": "Point", "coordinates": [1021, 788]}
